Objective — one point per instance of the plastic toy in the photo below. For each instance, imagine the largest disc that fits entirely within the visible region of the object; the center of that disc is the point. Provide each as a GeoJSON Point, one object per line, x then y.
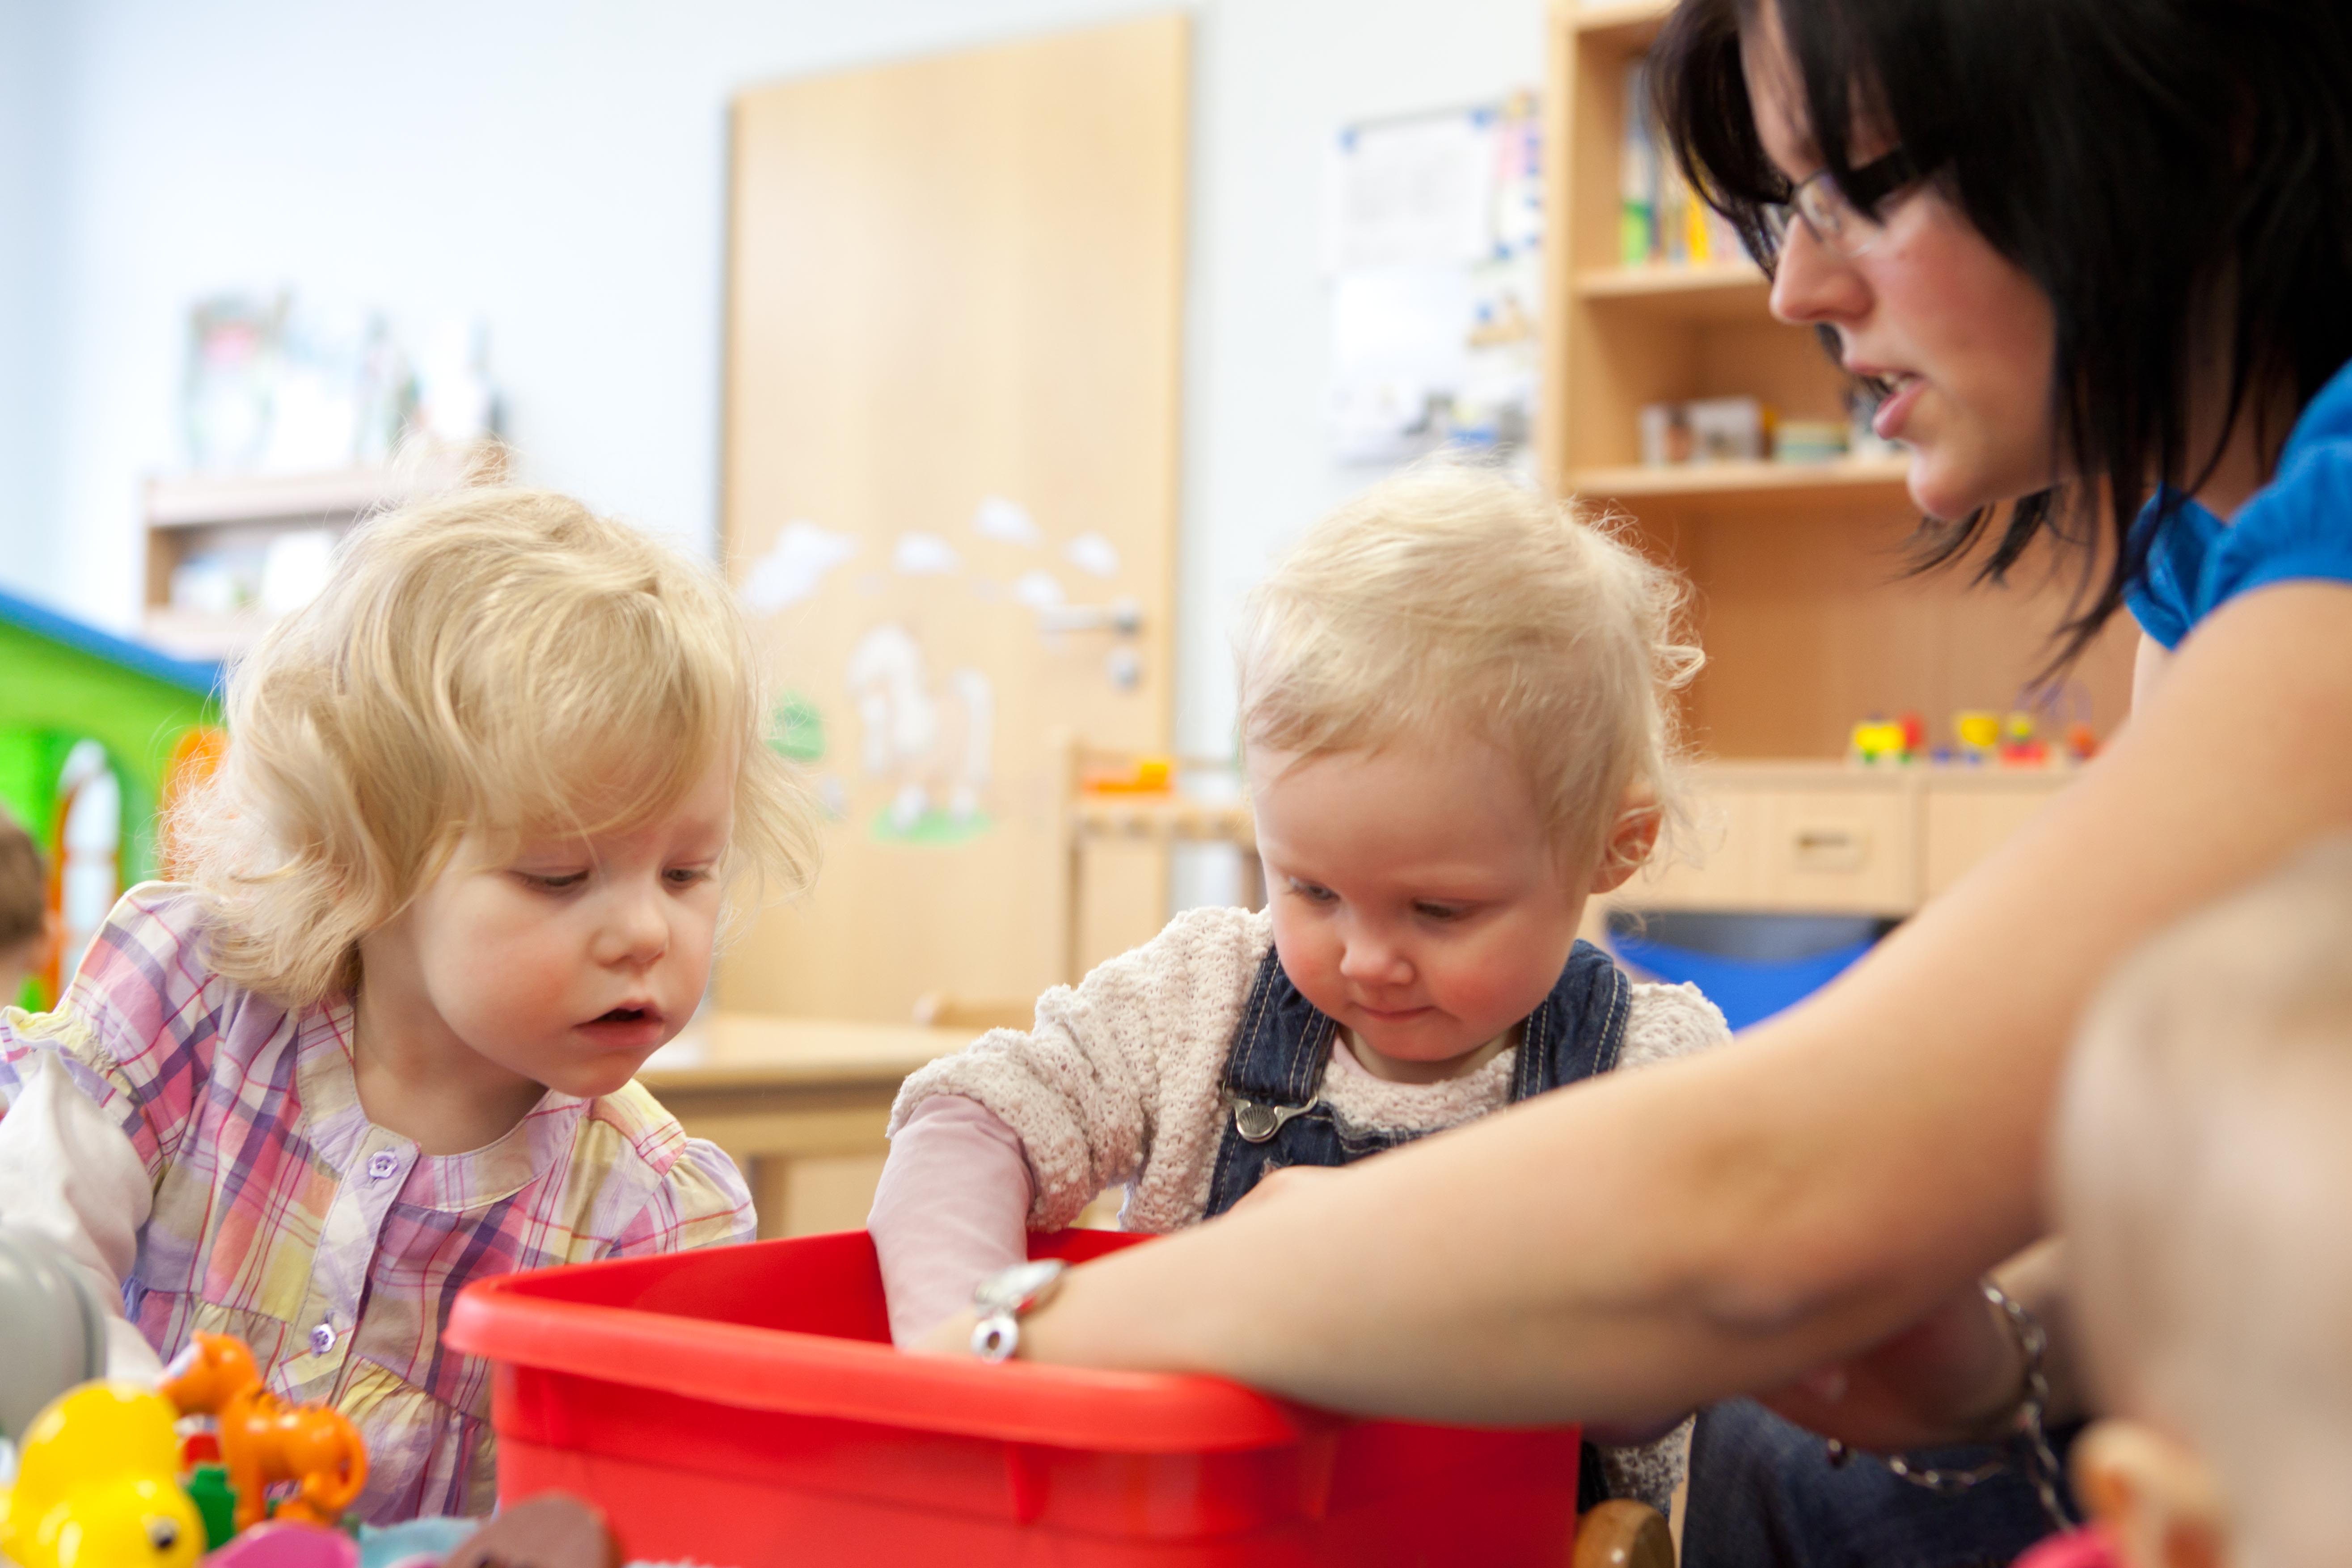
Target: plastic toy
{"type": "Point", "coordinates": [55, 1331]}
{"type": "Point", "coordinates": [283, 1544]}
{"type": "Point", "coordinates": [1905, 739]}
{"type": "Point", "coordinates": [423, 1542]}
{"type": "Point", "coordinates": [2020, 747]}
{"type": "Point", "coordinates": [267, 1440]}
{"type": "Point", "coordinates": [1979, 732]}
{"type": "Point", "coordinates": [98, 1487]}
{"type": "Point", "coordinates": [65, 686]}
{"type": "Point", "coordinates": [1150, 775]}
{"type": "Point", "coordinates": [207, 1486]}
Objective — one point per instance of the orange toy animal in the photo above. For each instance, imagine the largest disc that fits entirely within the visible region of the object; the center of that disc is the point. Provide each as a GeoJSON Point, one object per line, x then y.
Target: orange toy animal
{"type": "Point", "coordinates": [266, 1440]}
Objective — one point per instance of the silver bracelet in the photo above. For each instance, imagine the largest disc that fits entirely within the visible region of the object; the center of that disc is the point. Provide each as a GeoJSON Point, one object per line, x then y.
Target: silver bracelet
{"type": "Point", "coordinates": [1006, 1297]}
{"type": "Point", "coordinates": [2041, 1462]}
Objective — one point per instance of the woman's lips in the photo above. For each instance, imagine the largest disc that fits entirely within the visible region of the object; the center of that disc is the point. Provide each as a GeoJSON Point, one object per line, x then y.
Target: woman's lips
{"type": "Point", "coordinates": [1895, 412]}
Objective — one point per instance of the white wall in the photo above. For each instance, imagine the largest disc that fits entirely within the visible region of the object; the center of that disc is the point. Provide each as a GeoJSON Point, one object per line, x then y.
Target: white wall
{"type": "Point", "coordinates": [1278, 78]}
{"type": "Point", "coordinates": [559, 169]}
{"type": "Point", "coordinates": [30, 183]}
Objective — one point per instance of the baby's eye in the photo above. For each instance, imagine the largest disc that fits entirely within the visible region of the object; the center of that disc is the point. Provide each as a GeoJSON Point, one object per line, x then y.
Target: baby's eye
{"type": "Point", "coordinates": [1439, 911]}
{"type": "Point", "coordinates": [686, 876]}
{"type": "Point", "coordinates": [551, 881]}
{"type": "Point", "coordinates": [1313, 892]}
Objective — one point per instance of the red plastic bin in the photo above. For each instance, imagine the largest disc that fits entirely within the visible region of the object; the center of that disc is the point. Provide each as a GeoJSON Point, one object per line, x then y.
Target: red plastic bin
{"type": "Point", "coordinates": [742, 1406]}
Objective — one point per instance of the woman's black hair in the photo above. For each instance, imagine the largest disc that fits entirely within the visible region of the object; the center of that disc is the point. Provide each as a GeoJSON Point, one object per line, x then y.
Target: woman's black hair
{"type": "Point", "coordinates": [2176, 174]}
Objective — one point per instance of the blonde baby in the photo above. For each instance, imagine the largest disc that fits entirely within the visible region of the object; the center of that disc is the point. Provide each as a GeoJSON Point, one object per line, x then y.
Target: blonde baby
{"type": "Point", "coordinates": [461, 873]}
{"type": "Point", "coordinates": [1456, 713]}
{"type": "Point", "coordinates": [2204, 1183]}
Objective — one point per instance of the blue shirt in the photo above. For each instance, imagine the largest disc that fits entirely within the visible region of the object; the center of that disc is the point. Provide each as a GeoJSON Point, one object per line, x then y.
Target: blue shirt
{"type": "Point", "coordinates": [2296, 528]}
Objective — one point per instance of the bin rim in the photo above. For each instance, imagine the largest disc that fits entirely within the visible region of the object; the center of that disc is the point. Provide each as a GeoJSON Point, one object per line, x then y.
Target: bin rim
{"type": "Point", "coordinates": [800, 1373]}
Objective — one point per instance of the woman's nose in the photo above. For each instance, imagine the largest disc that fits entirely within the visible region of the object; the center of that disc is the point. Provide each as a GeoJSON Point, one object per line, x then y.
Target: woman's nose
{"type": "Point", "coordinates": [1813, 285]}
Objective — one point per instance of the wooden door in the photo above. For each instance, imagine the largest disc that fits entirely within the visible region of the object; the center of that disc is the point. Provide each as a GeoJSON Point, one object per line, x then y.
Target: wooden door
{"type": "Point", "coordinates": [954, 323]}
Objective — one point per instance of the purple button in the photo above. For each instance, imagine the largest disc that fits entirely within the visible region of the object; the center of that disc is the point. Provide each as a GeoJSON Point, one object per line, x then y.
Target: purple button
{"type": "Point", "coordinates": [382, 1164]}
{"type": "Point", "coordinates": [322, 1339]}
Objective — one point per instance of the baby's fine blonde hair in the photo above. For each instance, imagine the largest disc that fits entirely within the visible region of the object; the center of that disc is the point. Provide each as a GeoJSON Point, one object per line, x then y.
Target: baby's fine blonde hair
{"type": "Point", "coordinates": [497, 660]}
{"type": "Point", "coordinates": [1453, 599]}
{"type": "Point", "coordinates": [2203, 1173]}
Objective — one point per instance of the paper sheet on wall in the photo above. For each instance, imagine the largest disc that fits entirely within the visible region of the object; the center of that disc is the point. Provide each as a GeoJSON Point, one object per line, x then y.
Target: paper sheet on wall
{"type": "Point", "coordinates": [1431, 241]}
{"type": "Point", "coordinates": [1410, 193]}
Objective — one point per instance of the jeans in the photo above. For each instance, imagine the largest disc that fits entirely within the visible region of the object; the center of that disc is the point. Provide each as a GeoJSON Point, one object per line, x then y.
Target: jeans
{"type": "Point", "coordinates": [1764, 1495]}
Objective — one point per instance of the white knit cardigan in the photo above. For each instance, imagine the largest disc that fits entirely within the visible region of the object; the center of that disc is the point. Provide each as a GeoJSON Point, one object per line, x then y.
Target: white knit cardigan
{"type": "Point", "coordinates": [1120, 1080]}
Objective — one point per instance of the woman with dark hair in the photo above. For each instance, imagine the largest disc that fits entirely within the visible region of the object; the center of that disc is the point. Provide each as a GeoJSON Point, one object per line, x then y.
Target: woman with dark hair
{"type": "Point", "coordinates": [2097, 255]}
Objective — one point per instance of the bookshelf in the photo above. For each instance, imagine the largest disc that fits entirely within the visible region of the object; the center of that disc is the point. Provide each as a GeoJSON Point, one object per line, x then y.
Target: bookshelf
{"type": "Point", "coordinates": [1800, 598]}
{"type": "Point", "coordinates": [1699, 483]}
{"type": "Point", "coordinates": [1696, 291]}
{"type": "Point", "coordinates": [232, 522]}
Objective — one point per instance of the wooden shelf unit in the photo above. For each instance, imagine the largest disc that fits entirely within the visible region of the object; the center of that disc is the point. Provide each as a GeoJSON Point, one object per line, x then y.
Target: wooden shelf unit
{"type": "Point", "coordinates": [1801, 596]}
{"type": "Point", "coordinates": [188, 515]}
{"type": "Point", "coordinates": [1701, 291]}
{"type": "Point", "coordinates": [1879, 478]}
{"type": "Point", "coordinates": [1840, 838]}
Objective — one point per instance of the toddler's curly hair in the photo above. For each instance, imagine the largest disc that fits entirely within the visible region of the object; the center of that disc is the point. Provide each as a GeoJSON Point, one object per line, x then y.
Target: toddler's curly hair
{"type": "Point", "coordinates": [500, 660]}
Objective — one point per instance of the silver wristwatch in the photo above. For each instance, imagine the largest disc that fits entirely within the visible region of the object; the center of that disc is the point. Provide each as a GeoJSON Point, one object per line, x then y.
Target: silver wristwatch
{"type": "Point", "coordinates": [1007, 1296]}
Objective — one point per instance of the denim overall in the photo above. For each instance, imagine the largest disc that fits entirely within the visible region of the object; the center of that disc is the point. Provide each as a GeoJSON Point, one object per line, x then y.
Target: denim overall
{"type": "Point", "coordinates": [1275, 1070]}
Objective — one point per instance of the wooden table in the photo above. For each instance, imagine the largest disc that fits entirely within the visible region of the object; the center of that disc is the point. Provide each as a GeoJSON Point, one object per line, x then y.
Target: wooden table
{"type": "Point", "coordinates": [798, 1103]}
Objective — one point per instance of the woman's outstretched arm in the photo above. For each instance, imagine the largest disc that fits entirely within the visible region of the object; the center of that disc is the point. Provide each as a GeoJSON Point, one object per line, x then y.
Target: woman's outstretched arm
{"type": "Point", "coordinates": [1721, 1224]}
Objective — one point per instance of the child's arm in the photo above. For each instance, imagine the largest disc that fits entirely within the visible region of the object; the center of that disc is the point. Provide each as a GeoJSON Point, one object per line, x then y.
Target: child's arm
{"type": "Point", "coordinates": [69, 1175]}
{"type": "Point", "coordinates": [952, 1209]}
{"type": "Point", "coordinates": [1116, 1072]}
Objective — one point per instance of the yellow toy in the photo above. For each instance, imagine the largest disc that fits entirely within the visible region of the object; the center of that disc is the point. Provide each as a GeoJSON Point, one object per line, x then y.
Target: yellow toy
{"type": "Point", "coordinates": [1878, 741]}
{"type": "Point", "coordinates": [97, 1485]}
{"type": "Point", "coordinates": [1977, 731]}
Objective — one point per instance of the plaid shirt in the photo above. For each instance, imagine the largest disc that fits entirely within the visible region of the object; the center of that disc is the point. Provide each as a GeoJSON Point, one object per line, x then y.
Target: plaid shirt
{"type": "Point", "coordinates": [331, 1246]}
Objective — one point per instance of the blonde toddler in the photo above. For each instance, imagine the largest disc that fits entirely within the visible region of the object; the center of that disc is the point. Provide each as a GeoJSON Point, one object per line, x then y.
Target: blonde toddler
{"type": "Point", "coordinates": [460, 874]}
{"type": "Point", "coordinates": [1456, 713]}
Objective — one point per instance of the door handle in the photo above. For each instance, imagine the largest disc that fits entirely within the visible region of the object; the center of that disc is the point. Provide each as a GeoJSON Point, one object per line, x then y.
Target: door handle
{"type": "Point", "coordinates": [1121, 617]}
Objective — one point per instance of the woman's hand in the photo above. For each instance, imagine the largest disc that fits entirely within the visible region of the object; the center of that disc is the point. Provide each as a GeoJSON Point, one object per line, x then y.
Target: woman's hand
{"type": "Point", "coordinates": [1951, 1377]}
{"type": "Point", "coordinates": [1956, 1375]}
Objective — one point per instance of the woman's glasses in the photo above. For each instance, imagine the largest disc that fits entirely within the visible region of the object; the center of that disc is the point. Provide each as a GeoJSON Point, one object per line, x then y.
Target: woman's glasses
{"type": "Point", "coordinates": [1841, 215]}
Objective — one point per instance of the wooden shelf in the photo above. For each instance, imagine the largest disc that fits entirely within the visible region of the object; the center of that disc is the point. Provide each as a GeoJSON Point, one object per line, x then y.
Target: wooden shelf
{"type": "Point", "coordinates": [189, 633]}
{"type": "Point", "coordinates": [212, 500]}
{"type": "Point", "coordinates": [193, 515]}
{"type": "Point", "coordinates": [1624, 24]}
{"type": "Point", "coordinates": [1702, 291]}
{"type": "Point", "coordinates": [1845, 478]}
{"type": "Point", "coordinates": [1167, 816]}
